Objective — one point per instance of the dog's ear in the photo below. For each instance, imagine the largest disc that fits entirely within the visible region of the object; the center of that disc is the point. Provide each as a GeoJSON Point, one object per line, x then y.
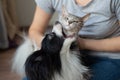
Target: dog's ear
{"type": "Point", "coordinates": [37, 66]}
{"type": "Point", "coordinates": [32, 64]}
{"type": "Point", "coordinates": [36, 56]}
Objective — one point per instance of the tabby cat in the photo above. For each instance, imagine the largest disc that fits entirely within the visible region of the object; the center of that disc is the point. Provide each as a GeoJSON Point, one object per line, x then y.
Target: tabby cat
{"type": "Point", "coordinates": [68, 24]}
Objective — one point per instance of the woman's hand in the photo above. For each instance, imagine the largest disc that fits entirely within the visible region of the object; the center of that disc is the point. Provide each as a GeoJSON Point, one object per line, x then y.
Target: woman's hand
{"type": "Point", "coordinates": [109, 44]}
{"type": "Point", "coordinates": [81, 43]}
{"type": "Point", "coordinates": [39, 25]}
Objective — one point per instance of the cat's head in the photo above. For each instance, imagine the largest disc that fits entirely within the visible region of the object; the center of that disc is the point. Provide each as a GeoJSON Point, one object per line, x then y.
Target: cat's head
{"type": "Point", "coordinates": [71, 24]}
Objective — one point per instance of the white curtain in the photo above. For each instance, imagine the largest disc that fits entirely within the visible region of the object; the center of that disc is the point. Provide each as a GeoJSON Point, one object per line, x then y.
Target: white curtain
{"type": "Point", "coordinates": [3, 31]}
{"type": "Point", "coordinates": [9, 11]}
{"type": "Point", "coordinates": [8, 22]}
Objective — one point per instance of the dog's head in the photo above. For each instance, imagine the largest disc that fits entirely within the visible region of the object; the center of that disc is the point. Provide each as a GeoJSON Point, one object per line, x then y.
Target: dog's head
{"type": "Point", "coordinates": [42, 64]}
{"type": "Point", "coordinates": [52, 43]}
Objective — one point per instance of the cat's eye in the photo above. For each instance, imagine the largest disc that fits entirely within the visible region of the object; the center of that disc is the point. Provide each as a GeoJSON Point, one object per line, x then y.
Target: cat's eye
{"type": "Point", "coordinates": [70, 22]}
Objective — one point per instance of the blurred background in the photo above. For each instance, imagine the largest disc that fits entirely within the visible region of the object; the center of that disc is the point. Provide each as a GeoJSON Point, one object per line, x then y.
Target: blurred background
{"type": "Point", "coordinates": [15, 17]}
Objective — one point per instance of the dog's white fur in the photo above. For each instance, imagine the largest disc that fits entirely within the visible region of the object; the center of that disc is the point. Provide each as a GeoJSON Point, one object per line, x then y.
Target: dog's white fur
{"type": "Point", "coordinates": [71, 67]}
{"type": "Point", "coordinates": [21, 55]}
{"type": "Point", "coordinates": [25, 49]}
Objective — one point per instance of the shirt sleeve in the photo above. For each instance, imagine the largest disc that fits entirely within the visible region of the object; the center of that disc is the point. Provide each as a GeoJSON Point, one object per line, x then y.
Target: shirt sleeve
{"type": "Point", "coordinates": [116, 7]}
{"type": "Point", "coordinates": [46, 5]}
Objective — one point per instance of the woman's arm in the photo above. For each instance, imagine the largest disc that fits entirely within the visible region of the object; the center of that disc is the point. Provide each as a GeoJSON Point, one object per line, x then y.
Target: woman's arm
{"type": "Point", "coordinates": [109, 44]}
{"type": "Point", "coordinates": [39, 25]}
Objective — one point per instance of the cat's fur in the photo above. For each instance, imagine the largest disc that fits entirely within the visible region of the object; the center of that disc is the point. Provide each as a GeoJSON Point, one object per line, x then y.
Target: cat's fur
{"type": "Point", "coordinates": [70, 24]}
{"type": "Point", "coordinates": [71, 67]}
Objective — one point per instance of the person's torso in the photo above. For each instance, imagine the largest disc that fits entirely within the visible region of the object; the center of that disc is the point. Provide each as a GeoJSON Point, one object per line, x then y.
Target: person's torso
{"type": "Point", "coordinates": [102, 22]}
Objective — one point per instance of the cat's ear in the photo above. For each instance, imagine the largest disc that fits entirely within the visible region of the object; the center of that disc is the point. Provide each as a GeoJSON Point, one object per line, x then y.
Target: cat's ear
{"type": "Point", "coordinates": [85, 18]}
{"type": "Point", "coordinates": [64, 11]}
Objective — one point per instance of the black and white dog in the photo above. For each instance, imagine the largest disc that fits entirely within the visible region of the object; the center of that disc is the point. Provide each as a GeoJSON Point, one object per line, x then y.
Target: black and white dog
{"type": "Point", "coordinates": [55, 61]}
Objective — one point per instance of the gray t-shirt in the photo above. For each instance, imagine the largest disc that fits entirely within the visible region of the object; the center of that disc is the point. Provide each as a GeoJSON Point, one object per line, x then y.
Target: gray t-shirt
{"type": "Point", "coordinates": [102, 23]}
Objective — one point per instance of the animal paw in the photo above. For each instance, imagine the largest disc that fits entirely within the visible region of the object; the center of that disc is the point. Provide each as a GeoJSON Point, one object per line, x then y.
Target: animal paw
{"type": "Point", "coordinates": [57, 28]}
{"type": "Point", "coordinates": [69, 40]}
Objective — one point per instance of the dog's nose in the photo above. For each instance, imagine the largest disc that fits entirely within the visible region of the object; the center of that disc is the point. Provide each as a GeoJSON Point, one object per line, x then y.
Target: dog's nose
{"type": "Point", "coordinates": [50, 36]}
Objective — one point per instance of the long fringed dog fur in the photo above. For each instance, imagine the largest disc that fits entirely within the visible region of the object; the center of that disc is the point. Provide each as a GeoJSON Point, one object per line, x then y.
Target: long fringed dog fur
{"type": "Point", "coordinates": [55, 61]}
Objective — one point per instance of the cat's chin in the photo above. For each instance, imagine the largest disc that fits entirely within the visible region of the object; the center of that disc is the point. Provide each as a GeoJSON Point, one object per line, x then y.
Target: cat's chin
{"type": "Point", "coordinates": [68, 36]}
{"type": "Point", "coordinates": [65, 35]}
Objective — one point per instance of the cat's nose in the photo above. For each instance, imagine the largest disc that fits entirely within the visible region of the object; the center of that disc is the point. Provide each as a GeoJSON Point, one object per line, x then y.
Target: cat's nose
{"type": "Point", "coordinates": [70, 22]}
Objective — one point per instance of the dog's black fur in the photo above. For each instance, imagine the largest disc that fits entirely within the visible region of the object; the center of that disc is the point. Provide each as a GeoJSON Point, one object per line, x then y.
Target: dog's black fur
{"type": "Point", "coordinates": [42, 64]}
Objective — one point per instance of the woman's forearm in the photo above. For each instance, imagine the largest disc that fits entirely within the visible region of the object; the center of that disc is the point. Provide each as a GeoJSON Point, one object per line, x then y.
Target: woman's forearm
{"type": "Point", "coordinates": [39, 25]}
{"type": "Point", "coordinates": [110, 44]}
{"type": "Point", "coordinates": [36, 37]}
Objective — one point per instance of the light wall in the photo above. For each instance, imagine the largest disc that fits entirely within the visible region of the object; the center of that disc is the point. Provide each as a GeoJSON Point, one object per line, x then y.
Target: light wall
{"type": "Point", "coordinates": [25, 11]}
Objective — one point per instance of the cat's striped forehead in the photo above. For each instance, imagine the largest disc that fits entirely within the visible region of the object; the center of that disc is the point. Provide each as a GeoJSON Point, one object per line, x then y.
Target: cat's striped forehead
{"type": "Point", "coordinates": [72, 17]}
